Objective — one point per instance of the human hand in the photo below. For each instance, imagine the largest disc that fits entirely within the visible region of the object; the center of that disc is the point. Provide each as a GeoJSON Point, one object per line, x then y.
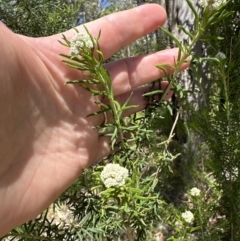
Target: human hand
{"type": "Point", "coordinates": [46, 140]}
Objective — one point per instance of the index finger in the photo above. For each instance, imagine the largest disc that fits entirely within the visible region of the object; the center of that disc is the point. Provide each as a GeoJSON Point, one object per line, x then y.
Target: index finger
{"type": "Point", "coordinates": [122, 28]}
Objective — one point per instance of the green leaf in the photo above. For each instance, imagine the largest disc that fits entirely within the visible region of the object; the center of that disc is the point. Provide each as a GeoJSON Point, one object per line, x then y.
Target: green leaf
{"type": "Point", "coordinates": [64, 44]}
{"type": "Point", "coordinates": [66, 55]}
{"type": "Point", "coordinates": [102, 104]}
{"type": "Point", "coordinates": [94, 92]}
{"type": "Point", "coordinates": [100, 56]}
{"type": "Point", "coordinates": [164, 66]}
{"type": "Point", "coordinates": [143, 198]}
{"type": "Point", "coordinates": [196, 15]}
{"type": "Point", "coordinates": [186, 32]}
{"type": "Point", "coordinates": [83, 82]}
{"type": "Point", "coordinates": [130, 128]}
{"type": "Point", "coordinates": [155, 92]}
{"type": "Point", "coordinates": [129, 107]}
{"type": "Point", "coordinates": [176, 41]}
{"type": "Point", "coordinates": [194, 229]}
{"type": "Point", "coordinates": [99, 112]}
{"type": "Point", "coordinates": [66, 41]}
{"type": "Point", "coordinates": [170, 109]}
{"type": "Point", "coordinates": [127, 101]}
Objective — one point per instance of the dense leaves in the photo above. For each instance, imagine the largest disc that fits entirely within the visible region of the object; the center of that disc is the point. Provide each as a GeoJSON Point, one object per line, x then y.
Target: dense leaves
{"type": "Point", "coordinates": [39, 17]}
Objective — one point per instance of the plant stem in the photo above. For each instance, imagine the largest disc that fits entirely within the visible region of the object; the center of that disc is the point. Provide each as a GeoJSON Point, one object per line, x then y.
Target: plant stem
{"type": "Point", "coordinates": [183, 59]}
{"type": "Point", "coordinates": [130, 234]}
{"type": "Point", "coordinates": [107, 85]}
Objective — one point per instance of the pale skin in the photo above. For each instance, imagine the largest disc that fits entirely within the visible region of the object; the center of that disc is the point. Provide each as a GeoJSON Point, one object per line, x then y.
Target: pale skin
{"type": "Point", "coordinates": [46, 140]}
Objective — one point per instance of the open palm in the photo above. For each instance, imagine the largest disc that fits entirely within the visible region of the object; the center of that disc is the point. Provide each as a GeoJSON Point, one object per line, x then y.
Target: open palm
{"type": "Point", "coordinates": [46, 140]}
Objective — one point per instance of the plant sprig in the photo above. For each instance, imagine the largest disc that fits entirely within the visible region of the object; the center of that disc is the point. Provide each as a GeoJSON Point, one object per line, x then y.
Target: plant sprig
{"type": "Point", "coordinates": [99, 83]}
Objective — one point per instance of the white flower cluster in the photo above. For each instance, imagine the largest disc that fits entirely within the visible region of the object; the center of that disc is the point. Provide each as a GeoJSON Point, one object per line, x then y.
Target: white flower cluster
{"type": "Point", "coordinates": [78, 41]}
{"type": "Point", "coordinates": [113, 175]}
{"type": "Point", "coordinates": [212, 4]}
{"type": "Point", "coordinates": [220, 55]}
{"type": "Point", "coordinates": [188, 216]}
{"type": "Point", "coordinates": [195, 192]}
